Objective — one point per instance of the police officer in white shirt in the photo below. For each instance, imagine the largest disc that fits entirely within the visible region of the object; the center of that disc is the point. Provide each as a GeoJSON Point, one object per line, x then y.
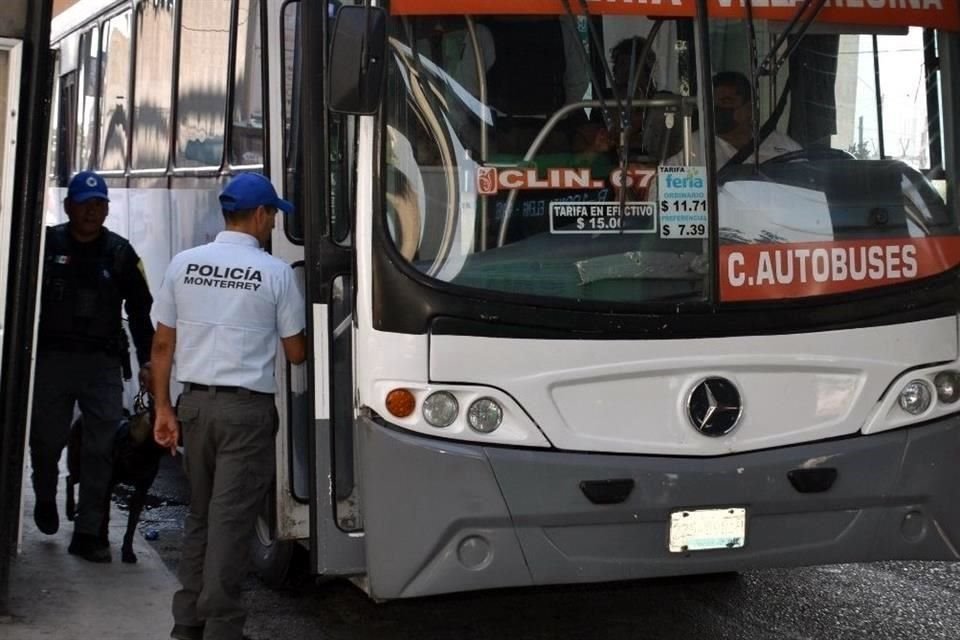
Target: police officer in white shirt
{"type": "Point", "coordinates": [221, 311]}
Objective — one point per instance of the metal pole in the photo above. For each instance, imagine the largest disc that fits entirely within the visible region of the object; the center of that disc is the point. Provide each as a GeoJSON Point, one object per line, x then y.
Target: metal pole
{"type": "Point", "coordinates": [879, 95]}
{"type": "Point", "coordinates": [25, 233]}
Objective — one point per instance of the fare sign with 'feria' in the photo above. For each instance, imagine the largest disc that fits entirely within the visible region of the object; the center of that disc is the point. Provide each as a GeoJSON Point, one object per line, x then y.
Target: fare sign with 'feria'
{"type": "Point", "coordinates": [936, 14]}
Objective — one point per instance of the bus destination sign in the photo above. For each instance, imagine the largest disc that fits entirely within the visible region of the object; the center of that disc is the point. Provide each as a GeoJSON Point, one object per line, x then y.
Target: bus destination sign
{"type": "Point", "coordinates": [936, 14]}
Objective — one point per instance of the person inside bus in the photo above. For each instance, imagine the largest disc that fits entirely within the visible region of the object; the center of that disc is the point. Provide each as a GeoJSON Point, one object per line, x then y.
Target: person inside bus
{"type": "Point", "coordinates": [595, 144]}
{"type": "Point", "coordinates": [88, 274]}
{"type": "Point", "coordinates": [596, 137]}
{"type": "Point", "coordinates": [733, 109]}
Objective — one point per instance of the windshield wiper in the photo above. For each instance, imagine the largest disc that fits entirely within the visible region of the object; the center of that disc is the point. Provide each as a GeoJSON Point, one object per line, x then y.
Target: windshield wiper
{"type": "Point", "coordinates": [755, 87]}
{"type": "Point", "coordinates": [796, 29]}
{"type": "Point", "coordinates": [772, 62]}
{"type": "Point", "coordinates": [594, 39]}
{"type": "Point", "coordinates": [626, 126]}
{"type": "Point", "coordinates": [624, 104]}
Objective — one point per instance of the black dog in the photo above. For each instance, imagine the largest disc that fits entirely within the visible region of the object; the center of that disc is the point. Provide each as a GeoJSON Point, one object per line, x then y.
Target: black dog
{"type": "Point", "coordinates": [136, 461]}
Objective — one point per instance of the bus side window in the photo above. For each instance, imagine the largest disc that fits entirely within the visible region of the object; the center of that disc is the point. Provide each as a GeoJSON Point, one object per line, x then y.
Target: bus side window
{"type": "Point", "coordinates": [909, 116]}
{"type": "Point", "coordinates": [87, 91]}
{"type": "Point", "coordinates": [902, 126]}
{"type": "Point", "coordinates": [114, 93]}
{"type": "Point", "coordinates": [202, 88]}
{"type": "Point", "coordinates": [246, 136]}
{"type": "Point", "coordinates": [340, 138]}
{"type": "Point", "coordinates": [153, 82]}
{"type": "Point", "coordinates": [66, 128]}
{"type": "Point", "coordinates": [342, 146]}
{"type": "Point", "coordinates": [343, 132]}
{"type": "Point", "coordinates": [292, 152]}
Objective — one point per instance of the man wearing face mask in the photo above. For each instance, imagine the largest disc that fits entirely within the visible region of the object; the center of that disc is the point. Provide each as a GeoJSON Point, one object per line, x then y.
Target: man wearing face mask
{"type": "Point", "coordinates": [734, 124]}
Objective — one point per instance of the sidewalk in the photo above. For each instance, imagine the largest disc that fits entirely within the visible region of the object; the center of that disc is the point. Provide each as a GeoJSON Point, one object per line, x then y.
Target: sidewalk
{"type": "Point", "coordinates": [57, 596]}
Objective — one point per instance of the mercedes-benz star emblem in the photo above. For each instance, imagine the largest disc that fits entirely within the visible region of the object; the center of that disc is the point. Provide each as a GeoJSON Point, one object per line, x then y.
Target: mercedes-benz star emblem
{"type": "Point", "coordinates": [714, 407]}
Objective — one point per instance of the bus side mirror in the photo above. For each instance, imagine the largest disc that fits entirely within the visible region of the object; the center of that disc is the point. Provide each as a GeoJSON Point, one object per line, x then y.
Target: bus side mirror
{"type": "Point", "coordinates": [357, 60]}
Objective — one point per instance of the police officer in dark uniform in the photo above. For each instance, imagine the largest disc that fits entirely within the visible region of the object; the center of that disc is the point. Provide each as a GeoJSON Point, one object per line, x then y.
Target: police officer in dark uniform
{"type": "Point", "coordinates": [89, 272]}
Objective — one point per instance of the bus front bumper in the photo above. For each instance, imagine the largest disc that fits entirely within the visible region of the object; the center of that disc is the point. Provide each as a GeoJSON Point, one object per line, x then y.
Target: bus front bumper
{"type": "Point", "coordinates": [443, 516]}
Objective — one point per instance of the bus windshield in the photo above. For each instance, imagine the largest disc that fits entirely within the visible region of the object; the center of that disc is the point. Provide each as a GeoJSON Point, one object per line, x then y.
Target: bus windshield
{"type": "Point", "coordinates": [562, 156]}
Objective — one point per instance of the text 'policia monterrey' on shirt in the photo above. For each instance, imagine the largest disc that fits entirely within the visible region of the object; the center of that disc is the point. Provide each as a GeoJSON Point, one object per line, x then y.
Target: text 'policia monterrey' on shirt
{"type": "Point", "coordinates": [229, 302]}
{"type": "Point", "coordinates": [206, 275]}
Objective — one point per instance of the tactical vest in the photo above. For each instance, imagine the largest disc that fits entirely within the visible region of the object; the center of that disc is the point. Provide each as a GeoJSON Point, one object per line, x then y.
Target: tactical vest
{"type": "Point", "coordinates": [81, 296]}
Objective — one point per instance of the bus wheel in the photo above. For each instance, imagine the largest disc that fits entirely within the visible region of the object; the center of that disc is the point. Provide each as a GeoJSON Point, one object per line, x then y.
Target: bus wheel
{"type": "Point", "coordinates": [271, 558]}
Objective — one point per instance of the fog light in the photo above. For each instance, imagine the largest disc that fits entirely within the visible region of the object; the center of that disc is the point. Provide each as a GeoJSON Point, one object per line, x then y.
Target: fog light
{"type": "Point", "coordinates": [440, 409]}
{"type": "Point", "coordinates": [915, 397]}
{"type": "Point", "coordinates": [485, 415]}
{"type": "Point", "coordinates": [948, 386]}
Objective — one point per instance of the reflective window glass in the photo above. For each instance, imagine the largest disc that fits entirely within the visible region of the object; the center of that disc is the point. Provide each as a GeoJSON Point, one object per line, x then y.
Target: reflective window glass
{"type": "Point", "coordinates": [844, 190]}
{"type": "Point", "coordinates": [66, 129]}
{"type": "Point", "coordinates": [202, 88]}
{"type": "Point", "coordinates": [87, 101]}
{"type": "Point", "coordinates": [900, 100]}
{"type": "Point", "coordinates": [153, 82]}
{"type": "Point", "coordinates": [514, 166]}
{"type": "Point", "coordinates": [247, 134]}
{"type": "Point", "coordinates": [292, 156]}
{"type": "Point", "coordinates": [115, 92]}
{"type": "Point", "coordinates": [291, 48]}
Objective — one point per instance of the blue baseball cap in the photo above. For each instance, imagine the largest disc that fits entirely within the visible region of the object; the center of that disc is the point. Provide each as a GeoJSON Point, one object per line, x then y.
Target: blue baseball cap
{"type": "Point", "coordinates": [249, 191]}
{"type": "Point", "coordinates": [85, 186]}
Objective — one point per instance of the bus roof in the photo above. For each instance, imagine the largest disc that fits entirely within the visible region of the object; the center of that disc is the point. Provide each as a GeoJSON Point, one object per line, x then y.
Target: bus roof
{"type": "Point", "coordinates": [939, 14]}
{"type": "Point", "coordinates": [79, 14]}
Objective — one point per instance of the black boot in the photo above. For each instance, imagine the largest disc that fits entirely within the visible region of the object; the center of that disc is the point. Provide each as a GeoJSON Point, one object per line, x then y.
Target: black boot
{"type": "Point", "coordinates": [88, 547]}
{"type": "Point", "coordinates": [46, 517]}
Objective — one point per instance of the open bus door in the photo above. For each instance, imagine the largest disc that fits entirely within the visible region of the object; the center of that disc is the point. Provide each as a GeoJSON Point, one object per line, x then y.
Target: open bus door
{"type": "Point", "coordinates": [314, 500]}
{"type": "Point", "coordinates": [328, 205]}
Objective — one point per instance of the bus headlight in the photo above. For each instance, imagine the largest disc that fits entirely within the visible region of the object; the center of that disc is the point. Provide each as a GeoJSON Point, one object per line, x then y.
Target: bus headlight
{"type": "Point", "coordinates": [948, 386]}
{"type": "Point", "coordinates": [915, 397]}
{"type": "Point", "coordinates": [484, 415]}
{"type": "Point", "coordinates": [440, 409]}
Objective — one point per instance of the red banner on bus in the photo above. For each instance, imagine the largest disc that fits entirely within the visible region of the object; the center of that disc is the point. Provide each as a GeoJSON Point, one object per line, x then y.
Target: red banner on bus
{"type": "Point", "coordinates": [938, 14]}
{"type": "Point", "coordinates": [780, 271]}
{"type": "Point", "coordinates": [653, 8]}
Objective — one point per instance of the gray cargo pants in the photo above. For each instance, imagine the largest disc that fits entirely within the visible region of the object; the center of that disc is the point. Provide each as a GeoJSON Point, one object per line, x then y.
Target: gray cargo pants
{"type": "Point", "coordinates": [228, 439]}
{"type": "Point", "coordinates": [92, 380]}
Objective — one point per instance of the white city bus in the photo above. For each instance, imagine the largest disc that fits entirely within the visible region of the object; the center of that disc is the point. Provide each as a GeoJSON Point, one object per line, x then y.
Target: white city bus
{"type": "Point", "coordinates": [567, 323]}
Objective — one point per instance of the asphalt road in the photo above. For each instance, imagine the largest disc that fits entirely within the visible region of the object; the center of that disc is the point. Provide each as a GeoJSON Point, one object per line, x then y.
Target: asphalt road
{"type": "Point", "coordinates": [885, 601]}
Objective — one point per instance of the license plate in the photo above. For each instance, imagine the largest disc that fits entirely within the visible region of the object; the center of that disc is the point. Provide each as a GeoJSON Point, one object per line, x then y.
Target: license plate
{"type": "Point", "coordinates": [704, 529]}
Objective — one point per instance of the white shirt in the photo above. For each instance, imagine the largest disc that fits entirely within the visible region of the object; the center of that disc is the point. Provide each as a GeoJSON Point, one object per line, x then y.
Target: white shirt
{"type": "Point", "coordinates": [775, 144]}
{"type": "Point", "coordinates": [229, 302]}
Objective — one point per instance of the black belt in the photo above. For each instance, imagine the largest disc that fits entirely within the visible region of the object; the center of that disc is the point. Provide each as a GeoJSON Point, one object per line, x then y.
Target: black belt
{"type": "Point", "coordinates": [192, 386]}
{"type": "Point", "coordinates": [78, 346]}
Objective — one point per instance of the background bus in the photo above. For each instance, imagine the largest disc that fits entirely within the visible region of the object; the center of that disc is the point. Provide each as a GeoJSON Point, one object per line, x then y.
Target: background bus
{"type": "Point", "coordinates": [511, 383]}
